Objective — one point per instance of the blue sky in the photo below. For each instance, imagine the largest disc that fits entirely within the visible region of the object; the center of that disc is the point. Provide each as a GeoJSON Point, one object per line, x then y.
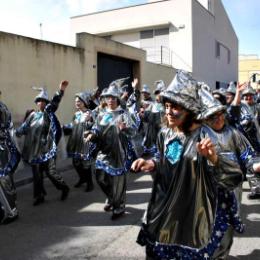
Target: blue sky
{"type": "Point", "coordinates": [25, 16]}
{"type": "Point", "coordinates": [245, 18]}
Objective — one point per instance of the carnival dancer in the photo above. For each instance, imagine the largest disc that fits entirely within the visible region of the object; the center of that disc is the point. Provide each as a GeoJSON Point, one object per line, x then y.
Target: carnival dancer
{"type": "Point", "coordinates": [241, 116]}
{"type": "Point", "coordinates": [9, 160]}
{"type": "Point", "coordinates": [146, 95]}
{"type": "Point", "coordinates": [76, 147]}
{"type": "Point", "coordinates": [220, 94]}
{"type": "Point", "coordinates": [231, 143]}
{"type": "Point", "coordinates": [152, 119]}
{"type": "Point", "coordinates": [186, 216]}
{"type": "Point", "coordinates": [253, 134]}
{"type": "Point", "coordinates": [42, 133]}
{"type": "Point", "coordinates": [248, 97]}
{"type": "Point", "coordinates": [112, 132]}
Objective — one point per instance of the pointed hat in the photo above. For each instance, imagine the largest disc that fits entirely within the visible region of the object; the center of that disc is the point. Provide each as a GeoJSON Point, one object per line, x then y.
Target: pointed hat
{"type": "Point", "coordinates": [209, 104]}
{"type": "Point", "coordinates": [42, 95]}
{"type": "Point", "coordinates": [183, 90]}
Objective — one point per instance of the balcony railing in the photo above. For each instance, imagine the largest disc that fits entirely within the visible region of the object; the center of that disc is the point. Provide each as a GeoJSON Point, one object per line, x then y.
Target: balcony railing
{"type": "Point", "coordinates": [160, 55]}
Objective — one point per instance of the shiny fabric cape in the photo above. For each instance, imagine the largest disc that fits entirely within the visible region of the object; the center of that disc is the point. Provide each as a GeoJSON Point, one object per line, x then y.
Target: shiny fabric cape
{"type": "Point", "coordinates": [42, 133]}
{"type": "Point", "coordinates": [185, 204]}
{"type": "Point", "coordinates": [115, 151]}
{"type": "Point", "coordinates": [76, 147]}
{"type": "Point", "coordinates": [9, 160]}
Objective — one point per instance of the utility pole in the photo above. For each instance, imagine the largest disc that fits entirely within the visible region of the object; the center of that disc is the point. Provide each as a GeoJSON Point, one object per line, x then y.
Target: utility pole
{"type": "Point", "coordinates": [41, 30]}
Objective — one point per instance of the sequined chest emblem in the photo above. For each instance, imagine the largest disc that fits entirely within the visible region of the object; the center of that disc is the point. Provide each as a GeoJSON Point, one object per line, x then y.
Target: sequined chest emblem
{"type": "Point", "coordinates": [106, 119]}
{"type": "Point", "coordinates": [173, 151]}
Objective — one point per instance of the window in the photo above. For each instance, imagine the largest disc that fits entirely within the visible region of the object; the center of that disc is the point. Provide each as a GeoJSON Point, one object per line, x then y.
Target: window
{"type": "Point", "coordinates": [222, 51]}
{"type": "Point", "coordinates": [217, 49]}
{"type": "Point", "coordinates": [228, 57]}
{"type": "Point", "coordinates": [156, 44]}
{"type": "Point", "coordinates": [163, 31]}
{"type": "Point", "coordinates": [146, 34]}
{"type": "Point", "coordinates": [210, 6]}
{"type": "Point", "coordinates": [108, 37]}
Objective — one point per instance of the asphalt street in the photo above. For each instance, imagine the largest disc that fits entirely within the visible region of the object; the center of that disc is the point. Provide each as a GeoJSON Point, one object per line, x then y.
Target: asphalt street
{"type": "Point", "coordinates": [78, 228]}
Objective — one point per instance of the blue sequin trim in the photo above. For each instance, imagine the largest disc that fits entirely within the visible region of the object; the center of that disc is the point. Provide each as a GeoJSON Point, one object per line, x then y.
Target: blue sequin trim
{"type": "Point", "coordinates": [153, 150]}
{"type": "Point", "coordinates": [86, 157]}
{"type": "Point", "coordinates": [14, 158]}
{"type": "Point", "coordinates": [227, 214]}
{"type": "Point", "coordinates": [118, 171]}
{"type": "Point", "coordinates": [137, 120]}
{"type": "Point", "coordinates": [247, 154]}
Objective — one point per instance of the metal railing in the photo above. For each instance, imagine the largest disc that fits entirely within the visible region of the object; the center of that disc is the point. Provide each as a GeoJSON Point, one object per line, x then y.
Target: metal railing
{"type": "Point", "coordinates": [160, 55]}
{"type": "Point", "coordinates": [166, 56]}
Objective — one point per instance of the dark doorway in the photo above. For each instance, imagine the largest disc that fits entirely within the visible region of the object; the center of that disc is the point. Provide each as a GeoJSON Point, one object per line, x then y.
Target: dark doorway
{"type": "Point", "coordinates": [111, 68]}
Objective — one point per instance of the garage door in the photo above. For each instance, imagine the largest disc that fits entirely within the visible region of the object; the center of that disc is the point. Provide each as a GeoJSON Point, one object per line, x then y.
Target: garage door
{"type": "Point", "coordinates": [111, 68]}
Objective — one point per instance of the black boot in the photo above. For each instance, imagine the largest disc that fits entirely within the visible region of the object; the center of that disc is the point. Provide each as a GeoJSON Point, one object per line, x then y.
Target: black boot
{"type": "Point", "coordinates": [253, 196]}
{"type": "Point", "coordinates": [117, 213]}
{"type": "Point", "coordinates": [38, 201]}
{"type": "Point", "coordinates": [89, 187]}
{"type": "Point", "coordinates": [108, 206]}
{"type": "Point", "coordinates": [79, 183]}
{"type": "Point", "coordinates": [64, 192]}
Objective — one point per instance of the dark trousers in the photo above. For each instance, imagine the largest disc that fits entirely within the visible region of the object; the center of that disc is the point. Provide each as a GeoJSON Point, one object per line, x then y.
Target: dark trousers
{"type": "Point", "coordinates": [84, 171]}
{"type": "Point", "coordinates": [49, 168]}
{"type": "Point", "coordinates": [114, 187]}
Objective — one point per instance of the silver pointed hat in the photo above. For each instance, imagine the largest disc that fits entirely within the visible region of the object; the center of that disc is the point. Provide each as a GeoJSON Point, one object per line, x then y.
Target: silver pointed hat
{"type": "Point", "coordinates": [103, 92]}
{"type": "Point", "coordinates": [159, 87]}
{"type": "Point", "coordinates": [220, 91]}
{"type": "Point", "coordinates": [124, 88]}
{"type": "Point", "coordinates": [43, 95]}
{"type": "Point", "coordinates": [146, 89]}
{"type": "Point", "coordinates": [209, 104]}
{"type": "Point", "coordinates": [119, 82]}
{"type": "Point", "coordinates": [114, 89]}
{"type": "Point", "coordinates": [183, 90]}
{"type": "Point", "coordinates": [231, 88]}
{"type": "Point", "coordinates": [84, 96]}
{"type": "Point", "coordinates": [248, 91]}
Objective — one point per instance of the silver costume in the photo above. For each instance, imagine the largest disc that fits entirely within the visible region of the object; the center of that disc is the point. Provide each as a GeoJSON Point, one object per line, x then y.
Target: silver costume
{"type": "Point", "coordinates": [9, 160]}
{"type": "Point", "coordinates": [192, 203]}
{"type": "Point", "coordinates": [42, 132]}
{"type": "Point", "coordinates": [77, 148]}
{"type": "Point", "coordinates": [114, 151]}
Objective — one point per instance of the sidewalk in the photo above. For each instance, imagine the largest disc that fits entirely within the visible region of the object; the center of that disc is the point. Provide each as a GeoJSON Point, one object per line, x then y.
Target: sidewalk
{"type": "Point", "coordinates": [23, 174]}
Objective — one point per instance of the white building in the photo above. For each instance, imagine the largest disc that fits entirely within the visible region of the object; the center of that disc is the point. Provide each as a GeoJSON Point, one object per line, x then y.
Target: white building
{"type": "Point", "coordinates": [195, 35]}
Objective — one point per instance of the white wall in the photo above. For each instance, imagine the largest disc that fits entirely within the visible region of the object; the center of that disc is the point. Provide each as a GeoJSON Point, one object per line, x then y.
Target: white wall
{"type": "Point", "coordinates": [132, 39]}
{"type": "Point", "coordinates": [133, 19]}
{"type": "Point", "coordinates": [207, 29]}
{"type": "Point", "coordinates": [26, 62]}
{"type": "Point", "coordinates": [193, 47]}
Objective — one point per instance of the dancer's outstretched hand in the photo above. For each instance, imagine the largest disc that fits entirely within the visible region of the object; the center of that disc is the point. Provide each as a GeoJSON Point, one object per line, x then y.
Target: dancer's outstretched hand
{"type": "Point", "coordinates": [63, 85]}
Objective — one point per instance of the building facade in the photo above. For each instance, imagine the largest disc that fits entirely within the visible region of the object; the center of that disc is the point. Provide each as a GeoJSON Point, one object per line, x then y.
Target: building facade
{"type": "Point", "coordinates": [195, 35]}
{"type": "Point", "coordinates": [249, 65]}
{"type": "Point", "coordinates": [27, 62]}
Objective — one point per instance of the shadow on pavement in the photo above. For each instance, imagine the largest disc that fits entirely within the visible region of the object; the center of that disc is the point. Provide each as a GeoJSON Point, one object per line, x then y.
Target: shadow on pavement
{"type": "Point", "coordinates": [253, 256]}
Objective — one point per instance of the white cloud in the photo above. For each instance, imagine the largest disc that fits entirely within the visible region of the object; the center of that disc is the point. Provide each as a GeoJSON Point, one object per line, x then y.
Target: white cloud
{"type": "Point", "coordinates": [78, 7]}
{"type": "Point", "coordinates": [24, 17]}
